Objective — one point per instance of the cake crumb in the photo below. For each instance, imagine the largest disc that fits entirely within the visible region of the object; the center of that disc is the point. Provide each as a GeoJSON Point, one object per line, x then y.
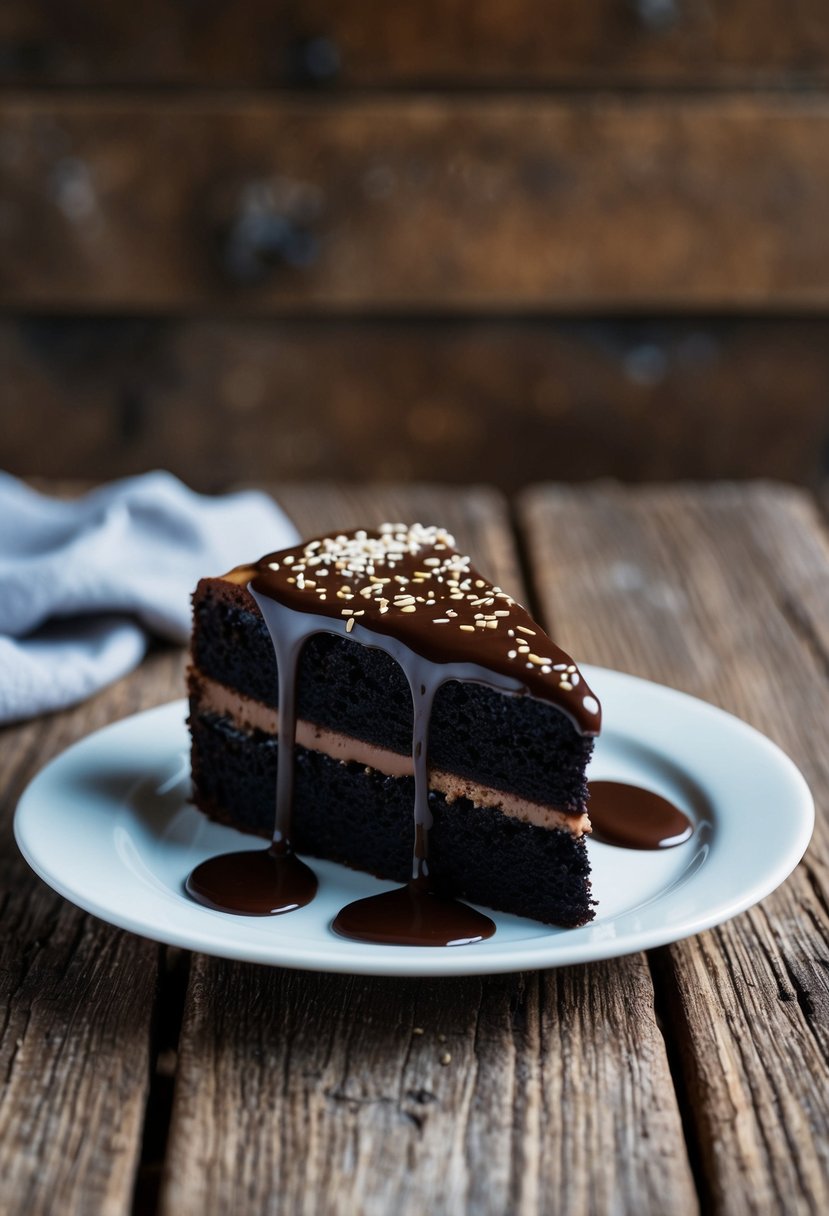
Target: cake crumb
{"type": "Point", "coordinates": [446, 1058]}
{"type": "Point", "coordinates": [418, 1030]}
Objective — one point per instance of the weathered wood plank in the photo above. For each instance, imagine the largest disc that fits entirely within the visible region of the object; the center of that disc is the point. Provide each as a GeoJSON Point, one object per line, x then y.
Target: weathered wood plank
{"type": "Point", "coordinates": [415, 204]}
{"type": "Point", "coordinates": [307, 1093]}
{"type": "Point", "coordinates": [723, 592]}
{"type": "Point", "coordinates": [414, 43]}
{"type": "Point", "coordinates": [503, 402]}
{"type": "Point", "coordinates": [76, 1001]}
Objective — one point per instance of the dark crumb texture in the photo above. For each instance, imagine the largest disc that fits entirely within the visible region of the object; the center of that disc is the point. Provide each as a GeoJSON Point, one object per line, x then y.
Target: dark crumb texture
{"type": "Point", "coordinates": [518, 744]}
{"type": "Point", "coordinates": [361, 818]}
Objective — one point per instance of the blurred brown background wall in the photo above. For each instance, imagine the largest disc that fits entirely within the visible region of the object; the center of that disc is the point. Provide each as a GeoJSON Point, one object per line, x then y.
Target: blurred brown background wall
{"type": "Point", "coordinates": [477, 239]}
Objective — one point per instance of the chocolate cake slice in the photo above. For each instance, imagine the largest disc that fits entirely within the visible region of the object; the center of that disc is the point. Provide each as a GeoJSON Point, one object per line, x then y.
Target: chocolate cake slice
{"type": "Point", "coordinates": [400, 655]}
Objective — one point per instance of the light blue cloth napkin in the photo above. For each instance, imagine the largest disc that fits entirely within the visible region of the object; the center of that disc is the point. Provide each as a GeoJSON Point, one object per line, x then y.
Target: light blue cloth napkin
{"type": "Point", "coordinates": [83, 583]}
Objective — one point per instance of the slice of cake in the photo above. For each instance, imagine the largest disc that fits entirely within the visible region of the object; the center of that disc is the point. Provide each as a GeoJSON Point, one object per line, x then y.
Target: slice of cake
{"type": "Point", "coordinates": [401, 656]}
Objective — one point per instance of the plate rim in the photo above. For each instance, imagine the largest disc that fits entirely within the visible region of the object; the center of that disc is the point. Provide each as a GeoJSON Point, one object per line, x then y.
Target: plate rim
{"type": "Point", "coordinates": [562, 948]}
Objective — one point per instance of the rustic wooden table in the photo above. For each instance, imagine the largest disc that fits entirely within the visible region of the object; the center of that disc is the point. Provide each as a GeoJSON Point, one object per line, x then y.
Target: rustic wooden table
{"type": "Point", "coordinates": [136, 1078]}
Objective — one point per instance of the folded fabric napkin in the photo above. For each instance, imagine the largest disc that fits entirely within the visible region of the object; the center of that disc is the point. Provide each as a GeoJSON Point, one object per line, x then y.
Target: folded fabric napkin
{"type": "Point", "coordinates": [83, 583]}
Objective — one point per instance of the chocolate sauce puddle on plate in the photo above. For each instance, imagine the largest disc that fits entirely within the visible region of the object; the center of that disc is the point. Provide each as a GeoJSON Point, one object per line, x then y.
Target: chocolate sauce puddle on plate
{"type": "Point", "coordinates": [409, 594]}
{"type": "Point", "coordinates": [633, 818]}
{"type": "Point", "coordinates": [259, 882]}
{"type": "Point", "coordinates": [412, 916]}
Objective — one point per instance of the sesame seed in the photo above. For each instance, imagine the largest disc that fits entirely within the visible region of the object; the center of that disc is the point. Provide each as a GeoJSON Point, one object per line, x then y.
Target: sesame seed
{"type": "Point", "coordinates": [349, 625]}
{"type": "Point", "coordinates": [440, 620]}
{"type": "Point", "coordinates": [501, 612]}
{"type": "Point", "coordinates": [512, 654]}
{"type": "Point", "coordinates": [409, 608]}
{"type": "Point", "coordinates": [446, 1058]}
{"type": "Point", "coordinates": [566, 685]}
{"type": "Point", "coordinates": [273, 565]}
{"type": "Point", "coordinates": [467, 628]}
{"type": "Point", "coordinates": [524, 629]}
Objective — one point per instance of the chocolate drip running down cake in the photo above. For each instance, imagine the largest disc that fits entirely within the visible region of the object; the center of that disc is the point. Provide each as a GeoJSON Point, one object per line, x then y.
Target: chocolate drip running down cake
{"type": "Point", "coordinates": [401, 657]}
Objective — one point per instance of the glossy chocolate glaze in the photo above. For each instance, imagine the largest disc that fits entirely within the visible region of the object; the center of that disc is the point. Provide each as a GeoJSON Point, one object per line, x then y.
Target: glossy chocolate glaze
{"type": "Point", "coordinates": [633, 818]}
{"type": "Point", "coordinates": [412, 586]}
{"type": "Point", "coordinates": [406, 591]}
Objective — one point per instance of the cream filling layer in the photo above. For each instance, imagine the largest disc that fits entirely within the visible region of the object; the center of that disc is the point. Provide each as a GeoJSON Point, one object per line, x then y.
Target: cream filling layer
{"type": "Point", "coordinates": [209, 696]}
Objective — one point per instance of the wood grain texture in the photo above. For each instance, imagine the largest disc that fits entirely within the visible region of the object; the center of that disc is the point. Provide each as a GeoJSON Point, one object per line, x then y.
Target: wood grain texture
{"type": "Point", "coordinates": [724, 593]}
{"type": "Point", "coordinates": [307, 1093]}
{"type": "Point", "coordinates": [76, 1001]}
{"type": "Point", "coordinates": [586, 202]}
{"type": "Point", "coordinates": [415, 43]}
{"type": "Point", "coordinates": [501, 402]}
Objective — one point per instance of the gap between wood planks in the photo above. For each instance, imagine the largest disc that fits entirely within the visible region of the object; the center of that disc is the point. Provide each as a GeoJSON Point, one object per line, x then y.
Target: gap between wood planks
{"type": "Point", "coordinates": [173, 975]}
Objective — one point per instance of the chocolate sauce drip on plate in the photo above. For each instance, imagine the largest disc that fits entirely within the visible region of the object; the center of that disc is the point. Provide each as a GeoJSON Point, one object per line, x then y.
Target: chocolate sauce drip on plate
{"type": "Point", "coordinates": [406, 591]}
{"type": "Point", "coordinates": [259, 882]}
{"type": "Point", "coordinates": [634, 818]}
{"type": "Point", "coordinates": [412, 916]}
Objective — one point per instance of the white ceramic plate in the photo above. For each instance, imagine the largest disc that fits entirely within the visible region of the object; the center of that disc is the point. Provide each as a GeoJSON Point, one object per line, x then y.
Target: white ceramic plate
{"type": "Point", "coordinates": [108, 825]}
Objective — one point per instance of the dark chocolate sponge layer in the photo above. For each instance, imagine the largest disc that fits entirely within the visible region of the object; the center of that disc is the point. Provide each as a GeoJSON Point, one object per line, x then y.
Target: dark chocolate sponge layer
{"type": "Point", "coordinates": [349, 814]}
{"type": "Point", "coordinates": [512, 743]}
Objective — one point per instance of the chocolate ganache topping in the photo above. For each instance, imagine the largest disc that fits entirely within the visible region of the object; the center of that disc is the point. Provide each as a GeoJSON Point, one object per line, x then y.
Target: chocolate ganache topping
{"type": "Point", "coordinates": [411, 584]}
{"type": "Point", "coordinates": [407, 591]}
